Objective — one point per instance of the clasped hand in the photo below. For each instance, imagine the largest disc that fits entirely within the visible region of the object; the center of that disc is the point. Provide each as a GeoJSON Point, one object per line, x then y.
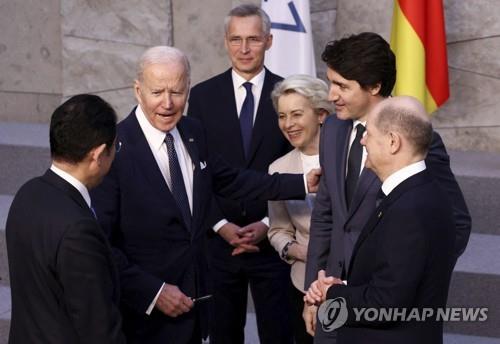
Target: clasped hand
{"type": "Point", "coordinates": [316, 294]}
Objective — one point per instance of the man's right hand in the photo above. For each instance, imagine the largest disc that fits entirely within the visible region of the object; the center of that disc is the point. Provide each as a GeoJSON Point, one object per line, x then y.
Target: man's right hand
{"type": "Point", "coordinates": [309, 316]}
{"type": "Point", "coordinates": [173, 302]}
{"type": "Point", "coordinates": [230, 233]}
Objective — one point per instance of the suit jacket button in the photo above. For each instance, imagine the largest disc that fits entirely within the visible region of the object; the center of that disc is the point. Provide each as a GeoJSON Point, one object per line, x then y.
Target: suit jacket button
{"type": "Point", "coordinates": [243, 212]}
{"type": "Point", "coordinates": [340, 264]}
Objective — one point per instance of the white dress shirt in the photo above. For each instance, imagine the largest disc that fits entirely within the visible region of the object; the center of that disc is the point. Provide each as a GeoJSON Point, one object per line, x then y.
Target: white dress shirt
{"type": "Point", "coordinates": [351, 140]}
{"type": "Point", "coordinates": [240, 94]}
{"type": "Point", "coordinates": [82, 189]}
{"type": "Point", "coordinates": [156, 141]}
{"type": "Point", "coordinates": [400, 176]}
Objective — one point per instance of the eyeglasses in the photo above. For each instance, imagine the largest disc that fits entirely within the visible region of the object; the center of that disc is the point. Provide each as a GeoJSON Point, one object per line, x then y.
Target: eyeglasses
{"type": "Point", "coordinates": [253, 41]}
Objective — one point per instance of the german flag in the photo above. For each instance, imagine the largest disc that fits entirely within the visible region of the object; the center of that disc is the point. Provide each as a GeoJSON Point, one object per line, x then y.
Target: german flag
{"type": "Point", "coordinates": [418, 39]}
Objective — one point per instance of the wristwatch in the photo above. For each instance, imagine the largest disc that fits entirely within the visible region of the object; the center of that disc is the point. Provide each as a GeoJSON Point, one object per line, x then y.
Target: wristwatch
{"type": "Point", "coordinates": [284, 251]}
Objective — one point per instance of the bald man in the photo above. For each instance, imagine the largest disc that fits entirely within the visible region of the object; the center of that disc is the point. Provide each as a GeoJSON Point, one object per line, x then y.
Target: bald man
{"type": "Point", "coordinates": [404, 255]}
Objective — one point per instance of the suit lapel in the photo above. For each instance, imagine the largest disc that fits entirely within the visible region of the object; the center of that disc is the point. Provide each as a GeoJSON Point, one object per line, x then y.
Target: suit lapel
{"type": "Point", "coordinates": [378, 213]}
{"type": "Point", "coordinates": [366, 179]}
{"type": "Point", "coordinates": [140, 151]}
{"type": "Point", "coordinates": [342, 138]}
{"type": "Point", "coordinates": [262, 119]}
{"type": "Point", "coordinates": [191, 145]}
{"type": "Point", "coordinates": [142, 156]}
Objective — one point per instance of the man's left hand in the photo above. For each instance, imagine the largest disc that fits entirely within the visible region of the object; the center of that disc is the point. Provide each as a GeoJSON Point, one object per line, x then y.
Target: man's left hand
{"type": "Point", "coordinates": [312, 178]}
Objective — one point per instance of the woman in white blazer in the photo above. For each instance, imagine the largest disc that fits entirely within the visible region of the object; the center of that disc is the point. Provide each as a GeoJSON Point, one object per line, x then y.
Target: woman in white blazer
{"type": "Point", "coordinates": [302, 105]}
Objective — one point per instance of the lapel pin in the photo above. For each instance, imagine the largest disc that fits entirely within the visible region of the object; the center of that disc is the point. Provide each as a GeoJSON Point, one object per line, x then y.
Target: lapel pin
{"type": "Point", "coordinates": [379, 215]}
{"type": "Point", "coordinates": [191, 139]}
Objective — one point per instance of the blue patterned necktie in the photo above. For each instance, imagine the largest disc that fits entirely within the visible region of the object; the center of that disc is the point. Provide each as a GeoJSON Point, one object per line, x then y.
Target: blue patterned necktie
{"type": "Point", "coordinates": [177, 181]}
{"type": "Point", "coordinates": [246, 119]}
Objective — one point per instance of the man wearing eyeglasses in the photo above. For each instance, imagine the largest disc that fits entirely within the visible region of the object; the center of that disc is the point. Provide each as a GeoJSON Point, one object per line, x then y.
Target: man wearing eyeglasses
{"type": "Point", "coordinates": [241, 125]}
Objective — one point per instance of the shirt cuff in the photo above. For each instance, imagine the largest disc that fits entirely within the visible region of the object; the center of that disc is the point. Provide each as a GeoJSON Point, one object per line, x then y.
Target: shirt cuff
{"type": "Point", "coordinates": [152, 305]}
{"type": "Point", "coordinates": [265, 221]}
{"type": "Point", "coordinates": [305, 183]}
{"type": "Point", "coordinates": [219, 225]}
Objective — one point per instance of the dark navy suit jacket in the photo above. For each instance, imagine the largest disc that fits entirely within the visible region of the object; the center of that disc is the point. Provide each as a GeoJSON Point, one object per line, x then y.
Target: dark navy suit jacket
{"type": "Point", "coordinates": [335, 229]}
{"type": "Point", "coordinates": [151, 242]}
{"type": "Point", "coordinates": [403, 258]}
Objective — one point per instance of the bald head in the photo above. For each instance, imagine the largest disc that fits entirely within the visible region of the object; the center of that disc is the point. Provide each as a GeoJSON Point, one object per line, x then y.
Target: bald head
{"type": "Point", "coordinates": [406, 116]}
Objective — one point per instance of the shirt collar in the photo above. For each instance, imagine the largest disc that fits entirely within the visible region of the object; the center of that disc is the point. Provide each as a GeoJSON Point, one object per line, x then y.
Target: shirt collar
{"type": "Point", "coordinates": [400, 176]}
{"type": "Point", "coordinates": [356, 122]}
{"type": "Point", "coordinates": [154, 136]}
{"type": "Point", "coordinates": [73, 181]}
{"type": "Point", "coordinates": [257, 80]}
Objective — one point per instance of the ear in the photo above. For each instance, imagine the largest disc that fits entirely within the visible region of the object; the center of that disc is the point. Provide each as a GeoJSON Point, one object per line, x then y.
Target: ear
{"type": "Point", "coordinates": [322, 116]}
{"type": "Point", "coordinates": [269, 41]}
{"type": "Point", "coordinates": [375, 90]}
{"type": "Point", "coordinates": [97, 153]}
{"type": "Point", "coordinates": [394, 142]}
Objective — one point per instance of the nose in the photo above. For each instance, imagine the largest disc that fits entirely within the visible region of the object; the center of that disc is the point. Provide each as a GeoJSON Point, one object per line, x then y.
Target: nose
{"type": "Point", "coordinates": [244, 47]}
{"type": "Point", "coordinates": [167, 100]}
{"type": "Point", "coordinates": [289, 122]}
{"type": "Point", "coordinates": [333, 95]}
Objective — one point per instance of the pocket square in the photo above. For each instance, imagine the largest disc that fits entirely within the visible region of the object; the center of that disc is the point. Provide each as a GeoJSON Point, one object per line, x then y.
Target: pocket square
{"type": "Point", "coordinates": [203, 164]}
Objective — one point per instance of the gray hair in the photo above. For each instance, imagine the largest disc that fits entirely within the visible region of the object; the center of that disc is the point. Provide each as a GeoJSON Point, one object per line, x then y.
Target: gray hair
{"type": "Point", "coordinates": [407, 116]}
{"type": "Point", "coordinates": [163, 54]}
{"type": "Point", "coordinates": [248, 10]}
{"type": "Point", "coordinates": [313, 89]}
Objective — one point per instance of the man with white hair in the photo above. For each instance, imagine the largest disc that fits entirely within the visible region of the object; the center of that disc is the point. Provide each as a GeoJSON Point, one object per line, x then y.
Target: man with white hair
{"type": "Point", "coordinates": [154, 202]}
{"type": "Point", "coordinates": [404, 256]}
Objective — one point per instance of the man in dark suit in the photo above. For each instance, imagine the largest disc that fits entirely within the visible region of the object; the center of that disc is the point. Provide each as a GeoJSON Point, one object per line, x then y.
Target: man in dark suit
{"type": "Point", "coordinates": [404, 256]}
{"type": "Point", "coordinates": [154, 205]}
{"type": "Point", "coordinates": [236, 110]}
{"type": "Point", "coordinates": [63, 280]}
{"type": "Point", "coordinates": [362, 72]}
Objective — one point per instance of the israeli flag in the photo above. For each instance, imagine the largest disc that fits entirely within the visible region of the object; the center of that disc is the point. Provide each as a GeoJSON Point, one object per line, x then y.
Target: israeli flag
{"type": "Point", "coordinates": [292, 51]}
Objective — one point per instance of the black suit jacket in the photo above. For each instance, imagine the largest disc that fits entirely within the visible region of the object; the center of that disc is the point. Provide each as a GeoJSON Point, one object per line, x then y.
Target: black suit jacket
{"type": "Point", "coordinates": [150, 238]}
{"type": "Point", "coordinates": [403, 258]}
{"type": "Point", "coordinates": [213, 102]}
{"type": "Point", "coordinates": [335, 229]}
{"type": "Point", "coordinates": [63, 280]}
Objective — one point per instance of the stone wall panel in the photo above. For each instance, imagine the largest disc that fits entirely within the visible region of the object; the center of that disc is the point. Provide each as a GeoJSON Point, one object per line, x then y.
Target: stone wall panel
{"type": "Point", "coordinates": [471, 19]}
{"type": "Point", "coordinates": [323, 27]}
{"type": "Point", "coordinates": [30, 46]}
{"type": "Point", "coordinates": [473, 101]}
{"type": "Point", "coordinates": [27, 107]}
{"type": "Point", "coordinates": [479, 56]}
{"type": "Point", "coordinates": [96, 66]}
{"type": "Point", "coordinates": [129, 21]}
{"type": "Point", "coordinates": [366, 15]}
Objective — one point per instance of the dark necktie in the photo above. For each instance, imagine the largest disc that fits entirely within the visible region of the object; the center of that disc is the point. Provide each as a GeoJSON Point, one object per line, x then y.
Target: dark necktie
{"type": "Point", "coordinates": [246, 119]}
{"type": "Point", "coordinates": [177, 181]}
{"type": "Point", "coordinates": [354, 164]}
{"type": "Point", "coordinates": [380, 197]}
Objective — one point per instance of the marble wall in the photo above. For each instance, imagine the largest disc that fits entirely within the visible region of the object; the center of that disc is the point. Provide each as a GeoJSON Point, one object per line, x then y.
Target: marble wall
{"type": "Point", "coordinates": [30, 59]}
{"type": "Point", "coordinates": [51, 50]}
{"type": "Point", "coordinates": [54, 49]}
{"type": "Point", "coordinates": [199, 31]}
{"type": "Point", "coordinates": [102, 41]}
{"type": "Point", "coordinates": [469, 120]}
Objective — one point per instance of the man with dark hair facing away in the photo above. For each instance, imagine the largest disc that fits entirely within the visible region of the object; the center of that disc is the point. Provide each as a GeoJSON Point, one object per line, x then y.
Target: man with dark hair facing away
{"type": "Point", "coordinates": [63, 280]}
